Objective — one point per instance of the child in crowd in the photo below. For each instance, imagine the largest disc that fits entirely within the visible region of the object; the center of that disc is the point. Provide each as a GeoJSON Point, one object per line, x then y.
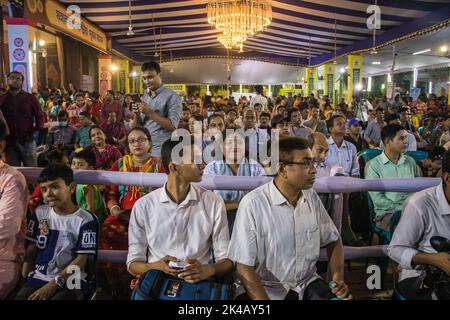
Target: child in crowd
{"type": "Point", "coordinates": [88, 196]}
{"type": "Point", "coordinates": [63, 239]}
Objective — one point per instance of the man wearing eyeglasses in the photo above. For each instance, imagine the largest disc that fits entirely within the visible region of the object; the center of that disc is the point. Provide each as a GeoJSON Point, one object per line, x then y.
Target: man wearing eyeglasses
{"type": "Point", "coordinates": [23, 117]}
{"type": "Point", "coordinates": [279, 230]}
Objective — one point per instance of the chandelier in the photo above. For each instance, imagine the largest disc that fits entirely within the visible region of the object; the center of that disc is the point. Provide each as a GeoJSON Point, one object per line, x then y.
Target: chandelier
{"type": "Point", "coordinates": [238, 19]}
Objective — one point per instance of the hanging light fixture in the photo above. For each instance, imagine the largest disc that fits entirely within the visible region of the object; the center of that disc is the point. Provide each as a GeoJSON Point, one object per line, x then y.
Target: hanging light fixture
{"type": "Point", "coordinates": [154, 36]}
{"type": "Point", "coordinates": [130, 31]}
{"type": "Point", "coordinates": [238, 20]}
{"type": "Point", "coordinates": [335, 60]}
{"type": "Point", "coordinates": [374, 51]}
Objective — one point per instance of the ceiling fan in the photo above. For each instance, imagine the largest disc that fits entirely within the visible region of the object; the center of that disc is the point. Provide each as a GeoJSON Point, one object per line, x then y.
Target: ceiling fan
{"type": "Point", "coordinates": [130, 31]}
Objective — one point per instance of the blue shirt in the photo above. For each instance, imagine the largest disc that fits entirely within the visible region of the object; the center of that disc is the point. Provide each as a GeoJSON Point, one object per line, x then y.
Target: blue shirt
{"type": "Point", "coordinates": [345, 157]}
{"type": "Point", "coordinates": [247, 168]}
{"type": "Point", "coordinates": [167, 104]}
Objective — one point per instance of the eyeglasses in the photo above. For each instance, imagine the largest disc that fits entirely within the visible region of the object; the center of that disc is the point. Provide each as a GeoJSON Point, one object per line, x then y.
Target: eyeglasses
{"type": "Point", "coordinates": [15, 78]}
{"type": "Point", "coordinates": [138, 140]}
{"type": "Point", "coordinates": [310, 163]}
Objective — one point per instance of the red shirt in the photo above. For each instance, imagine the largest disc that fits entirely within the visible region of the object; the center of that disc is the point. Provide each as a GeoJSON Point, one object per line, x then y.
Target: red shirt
{"type": "Point", "coordinates": [23, 116]}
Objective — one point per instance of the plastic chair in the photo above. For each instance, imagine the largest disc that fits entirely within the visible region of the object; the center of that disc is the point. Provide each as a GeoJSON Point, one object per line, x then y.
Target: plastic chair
{"type": "Point", "coordinates": [369, 154]}
{"type": "Point", "coordinates": [418, 155]}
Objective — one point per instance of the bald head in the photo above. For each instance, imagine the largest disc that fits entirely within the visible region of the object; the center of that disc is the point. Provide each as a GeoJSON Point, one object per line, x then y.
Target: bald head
{"type": "Point", "coordinates": [319, 146]}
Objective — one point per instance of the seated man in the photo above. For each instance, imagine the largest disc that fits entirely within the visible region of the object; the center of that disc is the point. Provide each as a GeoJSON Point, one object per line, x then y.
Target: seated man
{"type": "Point", "coordinates": [391, 164]}
{"type": "Point", "coordinates": [179, 223]}
{"type": "Point", "coordinates": [279, 230]}
{"type": "Point", "coordinates": [425, 214]}
{"type": "Point", "coordinates": [63, 237]}
{"type": "Point", "coordinates": [395, 119]}
{"type": "Point", "coordinates": [63, 136]}
{"type": "Point", "coordinates": [13, 204]}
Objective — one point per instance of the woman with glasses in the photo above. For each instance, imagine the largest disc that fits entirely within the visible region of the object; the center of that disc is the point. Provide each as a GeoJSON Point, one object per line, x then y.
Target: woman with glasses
{"type": "Point", "coordinates": [120, 199]}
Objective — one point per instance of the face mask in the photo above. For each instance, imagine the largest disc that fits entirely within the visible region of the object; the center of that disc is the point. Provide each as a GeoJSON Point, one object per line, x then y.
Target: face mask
{"type": "Point", "coordinates": [63, 123]}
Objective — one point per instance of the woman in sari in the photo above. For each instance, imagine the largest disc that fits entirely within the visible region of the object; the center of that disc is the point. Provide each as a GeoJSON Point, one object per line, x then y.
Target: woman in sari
{"type": "Point", "coordinates": [105, 154]}
{"type": "Point", "coordinates": [120, 199]}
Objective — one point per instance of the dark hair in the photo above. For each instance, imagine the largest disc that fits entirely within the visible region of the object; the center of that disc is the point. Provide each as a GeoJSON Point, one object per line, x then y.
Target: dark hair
{"type": "Point", "coordinates": [197, 117]}
{"type": "Point", "coordinates": [279, 118]}
{"type": "Point", "coordinates": [402, 109]}
{"type": "Point", "coordinates": [390, 117]}
{"type": "Point", "coordinates": [288, 144]}
{"type": "Point", "coordinates": [16, 72]}
{"type": "Point", "coordinates": [85, 154]}
{"type": "Point", "coordinates": [152, 65]}
{"type": "Point", "coordinates": [166, 152]}
{"type": "Point", "coordinates": [259, 89]}
{"type": "Point", "coordinates": [292, 111]}
{"type": "Point", "coordinates": [185, 108]}
{"type": "Point", "coordinates": [379, 109]}
{"type": "Point", "coordinates": [264, 114]}
{"type": "Point", "coordinates": [232, 110]}
{"type": "Point", "coordinates": [79, 94]}
{"type": "Point", "coordinates": [85, 114]}
{"type": "Point", "coordinates": [446, 162]}
{"type": "Point", "coordinates": [96, 127]}
{"type": "Point", "coordinates": [144, 130]}
{"type": "Point", "coordinates": [215, 115]}
{"type": "Point", "coordinates": [62, 113]}
{"type": "Point", "coordinates": [330, 122]}
{"type": "Point", "coordinates": [389, 132]}
{"type": "Point", "coordinates": [54, 172]}
{"type": "Point", "coordinates": [50, 157]}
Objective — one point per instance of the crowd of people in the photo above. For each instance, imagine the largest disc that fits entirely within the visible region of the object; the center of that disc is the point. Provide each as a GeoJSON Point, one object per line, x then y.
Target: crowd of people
{"type": "Point", "coordinates": [270, 237]}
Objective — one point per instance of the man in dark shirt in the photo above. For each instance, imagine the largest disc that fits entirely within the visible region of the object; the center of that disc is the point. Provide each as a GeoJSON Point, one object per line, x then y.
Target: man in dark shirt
{"type": "Point", "coordinates": [354, 134]}
{"type": "Point", "coordinates": [23, 116]}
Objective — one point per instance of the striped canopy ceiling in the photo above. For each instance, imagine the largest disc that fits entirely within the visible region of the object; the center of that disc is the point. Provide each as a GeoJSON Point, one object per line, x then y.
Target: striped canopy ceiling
{"type": "Point", "coordinates": [299, 29]}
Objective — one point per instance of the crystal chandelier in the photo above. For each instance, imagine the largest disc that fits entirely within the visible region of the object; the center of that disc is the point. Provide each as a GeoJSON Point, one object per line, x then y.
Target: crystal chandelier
{"type": "Point", "coordinates": [238, 19]}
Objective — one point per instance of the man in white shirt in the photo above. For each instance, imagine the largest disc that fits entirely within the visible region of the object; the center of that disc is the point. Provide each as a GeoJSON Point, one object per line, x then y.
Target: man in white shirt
{"type": "Point", "coordinates": [256, 139]}
{"type": "Point", "coordinates": [279, 230]}
{"type": "Point", "coordinates": [174, 228]}
{"type": "Point", "coordinates": [341, 153]}
{"type": "Point", "coordinates": [425, 214]}
{"type": "Point", "coordinates": [259, 98]}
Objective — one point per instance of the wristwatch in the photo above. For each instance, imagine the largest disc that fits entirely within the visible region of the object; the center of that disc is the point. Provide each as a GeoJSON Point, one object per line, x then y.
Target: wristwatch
{"type": "Point", "coordinates": [60, 281]}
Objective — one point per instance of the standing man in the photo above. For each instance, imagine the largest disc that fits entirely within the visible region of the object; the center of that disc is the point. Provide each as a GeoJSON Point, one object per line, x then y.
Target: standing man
{"type": "Point", "coordinates": [160, 112]}
{"type": "Point", "coordinates": [23, 117]}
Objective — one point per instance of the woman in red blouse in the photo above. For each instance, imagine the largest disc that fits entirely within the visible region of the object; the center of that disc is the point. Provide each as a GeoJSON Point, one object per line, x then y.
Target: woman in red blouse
{"type": "Point", "coordinates": [120, 199]}
{"type": "Point", "coordinates": [105, 154]}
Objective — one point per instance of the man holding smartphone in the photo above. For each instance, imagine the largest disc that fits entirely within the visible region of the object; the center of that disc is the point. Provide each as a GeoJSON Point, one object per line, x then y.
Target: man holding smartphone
{"type": "Point", "coordinates": [160, 111]}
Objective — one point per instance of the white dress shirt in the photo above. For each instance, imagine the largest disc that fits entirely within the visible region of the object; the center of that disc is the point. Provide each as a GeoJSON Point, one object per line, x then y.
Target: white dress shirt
{"type": "Point", "coordinates": [282, 242]}
{"type": "Point", "coordinates": [425, 214]}
{"type": "Point", "coordinates": [159, 227]}
{"type": "Point", "coordinates": [258, 99]}
{"type": "Point", "coordinates": [345, 157]}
